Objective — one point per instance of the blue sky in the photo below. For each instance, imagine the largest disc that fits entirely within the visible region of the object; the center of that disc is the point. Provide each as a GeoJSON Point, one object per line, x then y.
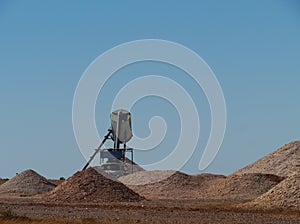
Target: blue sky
{"type": "Point", "coordinates": [252, 46]}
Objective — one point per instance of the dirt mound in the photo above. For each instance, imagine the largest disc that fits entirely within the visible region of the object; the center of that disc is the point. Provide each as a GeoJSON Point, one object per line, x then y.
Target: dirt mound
{"type": "Point", "coordinates": [2, 181]}
{"type": "Point", "coordinates": [131, 166]}
{"type": "Point", "coordinates": [169, 184]}
{"type": "Point", "coordinates": [146, 177]}
{"type": "Point", "coordinates": [27, 183]}
{"type": "Point", "coordinates": [114, 170]}
{"type": "Point", "coordinates": [283, 162]}
{"type": "Point", "coordinates": [284, 195]}
{"type": "Point", "coordinates": [243, 187]}
{"type": "Point", "coordinates": [206, 178]}
{"type": "Point", "coordinates": [91, 186]}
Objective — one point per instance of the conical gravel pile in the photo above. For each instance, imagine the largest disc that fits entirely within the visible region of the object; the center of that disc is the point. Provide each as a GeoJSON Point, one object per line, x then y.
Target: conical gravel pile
{"type": "Point", "coordinates": [27, 183]}
{"type": "Point", "coordinates": [91, 186]}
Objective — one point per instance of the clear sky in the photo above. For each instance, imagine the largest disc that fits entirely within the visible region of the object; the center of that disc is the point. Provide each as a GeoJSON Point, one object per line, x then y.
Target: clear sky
{"type": "Point", "coordinates": [253, 48]}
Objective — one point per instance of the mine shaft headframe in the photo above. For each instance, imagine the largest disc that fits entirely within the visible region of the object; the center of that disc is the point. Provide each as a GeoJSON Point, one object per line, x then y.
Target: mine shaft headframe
{"type": "Point", "coordinates": [120, 132]}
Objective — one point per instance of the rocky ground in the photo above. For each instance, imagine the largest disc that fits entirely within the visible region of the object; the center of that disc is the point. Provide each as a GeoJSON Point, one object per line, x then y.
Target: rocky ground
{"type": "Point", "coordinates": [154, 211]}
